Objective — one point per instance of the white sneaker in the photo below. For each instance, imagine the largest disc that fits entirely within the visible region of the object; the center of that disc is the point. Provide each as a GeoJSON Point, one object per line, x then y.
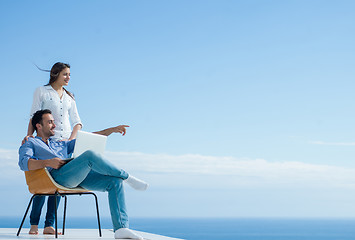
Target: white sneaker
{"type": "Point", "coordinates": [124, 233]}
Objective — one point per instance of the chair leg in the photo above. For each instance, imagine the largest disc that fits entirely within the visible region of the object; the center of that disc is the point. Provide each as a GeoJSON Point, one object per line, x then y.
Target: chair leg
{"type": "Point", "coordinates": [98, 215]}
{"type": "Point", "coordinates": [65, 211]}
{"type": "Point", "coordinates": [24, 217]}
{"type": "Point", "coordinates": [56, 215]}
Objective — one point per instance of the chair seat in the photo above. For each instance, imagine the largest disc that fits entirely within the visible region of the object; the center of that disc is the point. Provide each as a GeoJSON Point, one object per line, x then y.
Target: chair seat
{"type": "Point", "coordinates": [40, 181]}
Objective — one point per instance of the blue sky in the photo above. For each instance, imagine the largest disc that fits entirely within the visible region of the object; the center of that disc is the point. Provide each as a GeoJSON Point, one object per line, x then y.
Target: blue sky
{"type": "Point", "coordinates": [228, 101]}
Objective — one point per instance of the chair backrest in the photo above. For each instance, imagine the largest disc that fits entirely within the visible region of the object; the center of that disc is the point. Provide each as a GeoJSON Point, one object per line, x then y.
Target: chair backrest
{"type": "Point", "coordinates": [41, 182]}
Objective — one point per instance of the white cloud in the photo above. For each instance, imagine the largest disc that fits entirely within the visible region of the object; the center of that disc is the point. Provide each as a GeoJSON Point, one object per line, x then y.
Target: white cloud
{"type": "Point", "coordinates": [203, 180]}
{"type": "Point", "coordinates": [237, 172]}
{"type": "Point", "coordinates": [198, 170]}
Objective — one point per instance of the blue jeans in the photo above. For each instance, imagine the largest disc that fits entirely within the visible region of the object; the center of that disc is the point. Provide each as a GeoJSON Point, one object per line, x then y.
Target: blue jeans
{"type": "Point", "coordinates": [37, 205]}
{"type": "Point", "coordinates": [92, 172]}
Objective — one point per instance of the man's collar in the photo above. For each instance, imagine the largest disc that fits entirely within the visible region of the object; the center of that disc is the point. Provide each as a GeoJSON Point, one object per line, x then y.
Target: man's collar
{"type": "Point", "coordinates": [49, 139]}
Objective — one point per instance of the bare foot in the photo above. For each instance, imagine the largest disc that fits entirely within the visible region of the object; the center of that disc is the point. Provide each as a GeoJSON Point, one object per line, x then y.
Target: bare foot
{"type": "Point", "coordinates": [33, 230]}
{"type": "Point", "coordinates": [50, 231]}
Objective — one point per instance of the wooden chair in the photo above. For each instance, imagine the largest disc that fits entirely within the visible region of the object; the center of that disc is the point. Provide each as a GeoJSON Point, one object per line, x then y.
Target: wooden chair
{"type": "Point", "coordinates": [41, 183]}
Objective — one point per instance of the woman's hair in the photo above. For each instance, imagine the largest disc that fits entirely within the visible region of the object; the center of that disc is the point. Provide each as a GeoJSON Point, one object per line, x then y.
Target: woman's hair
{"type": "Point", "coordinates": [56, 69]}
{"type": "Point", "coordinates": [54, 74]}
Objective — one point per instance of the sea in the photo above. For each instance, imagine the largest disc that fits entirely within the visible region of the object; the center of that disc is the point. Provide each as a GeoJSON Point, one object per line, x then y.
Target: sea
{"type": "Point", "coordinates": [223, 228]}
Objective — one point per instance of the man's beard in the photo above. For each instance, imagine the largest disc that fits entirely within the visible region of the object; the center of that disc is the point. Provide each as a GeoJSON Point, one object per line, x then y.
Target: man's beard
{"type": "Point", "coordinates": [51, 132]}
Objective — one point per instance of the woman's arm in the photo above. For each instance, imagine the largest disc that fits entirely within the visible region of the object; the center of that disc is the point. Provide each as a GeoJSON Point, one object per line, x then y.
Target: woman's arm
{"type": "Point", "coordinates": [76, 128]}
{"type": "Point", "coordinates": [30, 131]}
{"type": "Point", "coordinates": [74, 120]}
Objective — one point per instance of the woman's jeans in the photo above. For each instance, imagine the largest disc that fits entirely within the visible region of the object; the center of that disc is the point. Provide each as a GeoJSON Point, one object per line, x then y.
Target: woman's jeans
{"type": "Point", "coordinates": [37, 205]}
{"type": "Point", "coordinates": [92, 172]}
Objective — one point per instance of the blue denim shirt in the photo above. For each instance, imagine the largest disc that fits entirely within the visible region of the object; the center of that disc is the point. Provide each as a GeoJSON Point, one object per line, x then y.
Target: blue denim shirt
{"type": "Point", "coordinates": [35, 148]}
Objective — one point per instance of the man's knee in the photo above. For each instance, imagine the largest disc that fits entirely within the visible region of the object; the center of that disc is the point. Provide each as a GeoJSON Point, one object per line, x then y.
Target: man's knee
{"type": "Point", "coordinates": [89, 154]}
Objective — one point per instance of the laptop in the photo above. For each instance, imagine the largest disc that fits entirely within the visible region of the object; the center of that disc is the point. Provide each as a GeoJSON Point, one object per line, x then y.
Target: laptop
{"type": "Point", "coordinates": [88, 141]}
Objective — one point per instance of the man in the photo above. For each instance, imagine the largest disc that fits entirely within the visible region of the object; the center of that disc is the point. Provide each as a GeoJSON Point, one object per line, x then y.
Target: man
{"type": "Point", "coordinates": [88, 170]}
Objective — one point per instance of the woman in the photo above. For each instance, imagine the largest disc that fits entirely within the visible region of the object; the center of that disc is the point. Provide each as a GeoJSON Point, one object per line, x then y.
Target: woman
{"type": "Point", "coordinates": [56, 98]}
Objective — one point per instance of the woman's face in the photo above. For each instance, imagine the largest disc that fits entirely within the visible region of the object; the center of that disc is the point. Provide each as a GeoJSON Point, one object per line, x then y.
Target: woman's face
{"type": "Point", "coordinates": [64, 77]}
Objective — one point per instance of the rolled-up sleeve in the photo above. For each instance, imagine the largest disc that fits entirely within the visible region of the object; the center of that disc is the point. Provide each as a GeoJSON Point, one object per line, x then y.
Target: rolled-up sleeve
{"type": "Point", "coordinates": [74, 115]}
{"type": "Point", "coordinates": [25, 153]}
{"type": "Point", "coordinates": [37, 101]}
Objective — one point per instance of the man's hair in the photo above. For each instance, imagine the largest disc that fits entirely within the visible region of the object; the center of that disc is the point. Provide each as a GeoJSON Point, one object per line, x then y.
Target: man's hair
{"type": "Point", "coordinates": [37, 117]}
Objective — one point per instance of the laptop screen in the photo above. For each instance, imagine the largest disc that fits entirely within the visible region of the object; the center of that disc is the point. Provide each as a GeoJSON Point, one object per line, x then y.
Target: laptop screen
{"type": "Point", "coordinates": [89, 141]}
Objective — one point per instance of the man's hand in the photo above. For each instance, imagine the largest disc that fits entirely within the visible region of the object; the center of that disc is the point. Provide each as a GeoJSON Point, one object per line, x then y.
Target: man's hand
{"type": "Point", "coordinates": [26, 138]}
{"type": "Point", "coordinates": [120, 129]}
{"type": "Point", "coordinates": [55, 163]}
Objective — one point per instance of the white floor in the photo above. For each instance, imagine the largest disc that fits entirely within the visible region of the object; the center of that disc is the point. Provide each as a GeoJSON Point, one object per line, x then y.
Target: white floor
{"type": "Point", "coordinates": [74, 234]}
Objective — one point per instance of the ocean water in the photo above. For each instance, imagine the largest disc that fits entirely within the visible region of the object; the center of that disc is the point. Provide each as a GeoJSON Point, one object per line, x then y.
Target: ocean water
{"type": "Point", "coordinates": [218, 228]}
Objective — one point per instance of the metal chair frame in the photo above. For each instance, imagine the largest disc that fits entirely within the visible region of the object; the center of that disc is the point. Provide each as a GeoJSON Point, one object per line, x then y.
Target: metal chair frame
{"type": "Point", "coordinates": [51, 188]}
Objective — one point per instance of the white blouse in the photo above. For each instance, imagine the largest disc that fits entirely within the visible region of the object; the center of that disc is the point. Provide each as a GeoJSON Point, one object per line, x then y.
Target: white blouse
{"type": "Point", "coordinates": [63, 109]}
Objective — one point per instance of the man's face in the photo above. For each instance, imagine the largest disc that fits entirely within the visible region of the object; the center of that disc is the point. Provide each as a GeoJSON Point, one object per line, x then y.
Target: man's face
{"type": "Point", "coordinates": [46, 127]}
